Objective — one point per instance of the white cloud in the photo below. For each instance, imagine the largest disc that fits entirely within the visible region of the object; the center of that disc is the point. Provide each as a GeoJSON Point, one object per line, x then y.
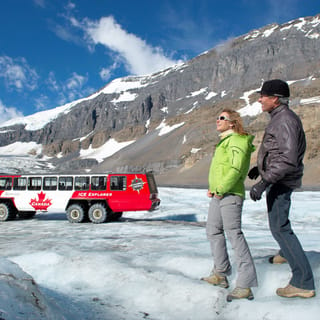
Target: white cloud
{"type": "Point", "coordinates": [74, 86]}
{"type": "Point", "coordinates": [41, 102]}
{"type": "Point", "coordinates": [140, 58]}
{"type": "Point", "coordinates": [70, 5]}
{"type": "Point", "coordinates": [17, 74]}
{"type": "Point", "coordinates": [76, 81]}
{"type": "Point", "coordinates": [106, 73]}
{"type": "Point", "coordinates": [8, 113]}
{"type": "Point", "coordinates": [65, 31]}
{"type": "Point", "coordinates": [65, 34]}
{"type": "Point", "coordinates": [70, 89]}
{"type": "Point", "coordinates": [52, 82]}
{"type": "Point", "coordinates": [40, 3]}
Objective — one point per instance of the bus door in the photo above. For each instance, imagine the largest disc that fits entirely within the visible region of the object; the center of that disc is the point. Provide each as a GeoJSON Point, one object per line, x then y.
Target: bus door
{"type": "Point", "coordinates": [129, 192]}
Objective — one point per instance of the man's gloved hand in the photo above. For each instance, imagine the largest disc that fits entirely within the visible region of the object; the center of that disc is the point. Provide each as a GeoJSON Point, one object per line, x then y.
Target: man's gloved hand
{"type": "Point", "coordinates": [257, 190]}
{"type": "Point", "coordinates": [253, 173]}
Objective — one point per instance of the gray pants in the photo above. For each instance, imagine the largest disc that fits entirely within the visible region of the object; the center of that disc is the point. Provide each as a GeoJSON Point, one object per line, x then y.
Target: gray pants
{"type": "Point", "coordinates": [225, 217]}
{"type": "Point", "coordinates": [278, 202]}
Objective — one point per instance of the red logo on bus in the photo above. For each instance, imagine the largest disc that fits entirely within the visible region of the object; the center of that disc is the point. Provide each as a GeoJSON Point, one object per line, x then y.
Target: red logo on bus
{"type": "Point", "coordinates": [42, 203]}
{"type": "Point", "coordinates": [137, 184]}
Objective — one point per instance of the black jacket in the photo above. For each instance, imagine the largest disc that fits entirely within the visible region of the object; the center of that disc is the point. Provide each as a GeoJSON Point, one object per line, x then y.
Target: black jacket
{"type": "Point", "coordinates": [280, 157]}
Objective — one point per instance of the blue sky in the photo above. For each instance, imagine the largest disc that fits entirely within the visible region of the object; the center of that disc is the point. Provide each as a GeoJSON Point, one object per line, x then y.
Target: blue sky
{"type": "Point", "coordinates": [54, 52]}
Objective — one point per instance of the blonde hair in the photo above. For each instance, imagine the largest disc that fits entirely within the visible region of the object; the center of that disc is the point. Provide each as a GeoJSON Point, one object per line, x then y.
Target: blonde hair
{"type": "Point", "coordinates": [236, 121]}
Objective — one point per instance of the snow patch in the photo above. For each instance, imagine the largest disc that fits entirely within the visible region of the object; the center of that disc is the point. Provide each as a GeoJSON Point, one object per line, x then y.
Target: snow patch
{"type": "Point", "coordinates": [21, 149]}
{"type": "Point", "coordinates": [105, 151]}
{"type": "Point", "coordinates": [125, 97]}
{"type": "Point", "coordinates": [310, 100]}
{"type": "Point", "coordinates": [267, 33]}
{"type": "Point", "coordinates": [195, 150]}
{"type": "Point", "coordinates": [198, 92]}
{"type": "Point", "coordinates": [121, 85]}
{"type": "Point", "coordinates": [223, 93]}
{"type": "Point", "coordinates": [149, 265]}
{"type": "Point", "coordinates": [250, 109]}
{"type": "Point", "coordinates": [165, 129]}
{"type": "Point", "coordinates": [211, 95]}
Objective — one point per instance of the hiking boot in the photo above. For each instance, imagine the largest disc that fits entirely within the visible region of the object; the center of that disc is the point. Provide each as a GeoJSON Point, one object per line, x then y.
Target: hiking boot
{"type": "Point", "coordinates": [277, 259]}
{"type": "Point", "coordinates": [240, 293]}
{"type": "Point", "coordinates": [290, 292]}
{"type": "Point", "coordinates": [217, 280]}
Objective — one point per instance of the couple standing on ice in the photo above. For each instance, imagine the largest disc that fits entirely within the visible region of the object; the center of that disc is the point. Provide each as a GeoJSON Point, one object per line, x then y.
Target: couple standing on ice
{"type": "Point", "coordinates": [280, 166]}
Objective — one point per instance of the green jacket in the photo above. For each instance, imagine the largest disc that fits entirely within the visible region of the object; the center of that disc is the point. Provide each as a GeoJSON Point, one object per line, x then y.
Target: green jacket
{"type": "Point", "coordinates": [230, 164]}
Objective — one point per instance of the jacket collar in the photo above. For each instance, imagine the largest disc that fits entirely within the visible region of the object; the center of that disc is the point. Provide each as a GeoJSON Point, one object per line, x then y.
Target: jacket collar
{"type": "Point", "coordinates": [278, 109]}
{"type": "Point", "coordinates": [225, 133]}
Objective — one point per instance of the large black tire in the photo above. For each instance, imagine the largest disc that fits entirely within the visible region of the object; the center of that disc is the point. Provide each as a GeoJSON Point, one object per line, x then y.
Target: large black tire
{"type": "Point", "coordinates": [7, 212]}
{"type": "Point", "coordinates": [76, 213]}
{"type": "Point", "coordinates": [98, 213]}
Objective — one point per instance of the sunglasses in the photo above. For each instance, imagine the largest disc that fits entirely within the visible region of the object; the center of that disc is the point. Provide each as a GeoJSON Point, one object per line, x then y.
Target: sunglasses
{"type": "Point", "coordinates": [223, 118]}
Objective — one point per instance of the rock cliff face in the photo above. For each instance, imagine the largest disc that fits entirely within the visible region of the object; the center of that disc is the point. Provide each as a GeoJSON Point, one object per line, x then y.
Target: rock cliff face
{"type": "Point", "coordinates": [190, 95]}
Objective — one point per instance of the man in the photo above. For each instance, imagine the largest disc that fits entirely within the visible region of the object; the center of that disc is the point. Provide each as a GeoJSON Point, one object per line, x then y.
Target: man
{"type": "Point", "coordinates": [280, 165]}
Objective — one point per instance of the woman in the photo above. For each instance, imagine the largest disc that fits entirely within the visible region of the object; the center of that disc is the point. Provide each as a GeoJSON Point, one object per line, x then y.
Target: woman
{"type": "Point", "coordinates": [228, 171]}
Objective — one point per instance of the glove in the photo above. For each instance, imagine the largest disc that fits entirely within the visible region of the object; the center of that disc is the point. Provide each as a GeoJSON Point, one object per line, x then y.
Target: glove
{"type": "Point", "coordinates": [253, 173]}
{"type": "Point", "coordinates": [257, 190]}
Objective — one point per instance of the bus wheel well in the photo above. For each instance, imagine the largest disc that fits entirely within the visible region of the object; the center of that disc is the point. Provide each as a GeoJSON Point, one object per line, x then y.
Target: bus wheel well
{"type": "Point", "coordinates": [84, 204]}
{"type": "Point", "coordinates": [7, 210]}
{"type": "Point", "coordinates": [114, 216]}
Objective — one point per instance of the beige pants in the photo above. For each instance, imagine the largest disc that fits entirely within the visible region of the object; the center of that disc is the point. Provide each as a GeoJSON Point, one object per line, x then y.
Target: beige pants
{"type": "Point", "coordinates": [224, 219]}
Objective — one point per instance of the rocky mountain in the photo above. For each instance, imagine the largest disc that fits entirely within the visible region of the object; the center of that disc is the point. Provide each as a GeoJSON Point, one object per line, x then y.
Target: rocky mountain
{"type": "Point", "coordinates": [169, 117]}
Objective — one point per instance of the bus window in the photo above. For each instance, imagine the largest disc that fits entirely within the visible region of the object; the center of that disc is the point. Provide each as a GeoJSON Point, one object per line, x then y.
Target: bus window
{"type": "Point", "coordinates": [98, 183]}
{"type": "Point", "coordinates": [65, 183]}
{"type": "Point", "coordinates": [118, 183]}
{"type": "Point", "coordinates": [49, 183]}
{"type": "Point", "coordinates": [81, 183]}
{"type": "Point", "coordinates": [5, 183]}
{"type": "Point", "coordinates": [34, 183]}
{"type": "Point", "coordinates": [19, 183]}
